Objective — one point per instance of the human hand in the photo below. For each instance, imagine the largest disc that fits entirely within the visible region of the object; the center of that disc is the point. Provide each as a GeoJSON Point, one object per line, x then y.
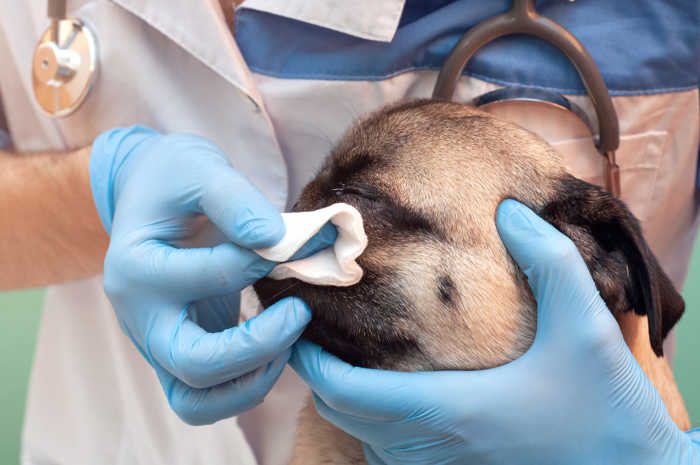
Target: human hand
{"type": "Point", "coordinates": [180, 306]}
{"type": "Point", "coordinates": [576, 396]}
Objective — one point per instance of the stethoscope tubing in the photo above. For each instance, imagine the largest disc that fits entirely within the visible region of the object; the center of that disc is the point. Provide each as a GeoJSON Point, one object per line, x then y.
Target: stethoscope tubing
{"type": "Point", "coordinates": [522, 18]}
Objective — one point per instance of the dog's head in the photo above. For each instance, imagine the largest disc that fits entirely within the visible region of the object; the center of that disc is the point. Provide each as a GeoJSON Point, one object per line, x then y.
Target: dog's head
{"type": "Point", "coordinates": [439, 290]}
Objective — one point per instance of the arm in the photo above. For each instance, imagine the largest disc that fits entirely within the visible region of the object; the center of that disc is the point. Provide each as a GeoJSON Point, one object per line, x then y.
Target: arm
{"type": "Point", "coordinates": [50, 228]}
{"type": "Point", "coordinates": [577, 396]}
{"type": "Point", "coordinates": [180, 305]}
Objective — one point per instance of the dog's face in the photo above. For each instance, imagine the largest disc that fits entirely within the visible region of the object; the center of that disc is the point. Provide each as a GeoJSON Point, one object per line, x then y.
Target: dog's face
{"type": "Point", "coordinates": [439, 290]}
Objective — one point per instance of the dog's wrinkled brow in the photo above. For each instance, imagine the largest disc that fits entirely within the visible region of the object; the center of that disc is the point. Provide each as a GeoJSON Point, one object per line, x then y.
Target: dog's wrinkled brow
{"type": "Point", "coordinates": [402, 218]}
{"type": "Point", "coordinates": [343, 169]}
{"type": "Point", "coordinates": [407, 219]}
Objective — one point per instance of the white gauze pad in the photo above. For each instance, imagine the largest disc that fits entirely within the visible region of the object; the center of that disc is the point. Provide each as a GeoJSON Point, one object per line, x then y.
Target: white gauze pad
{"type": "Point", "coordinates": [333, 266]}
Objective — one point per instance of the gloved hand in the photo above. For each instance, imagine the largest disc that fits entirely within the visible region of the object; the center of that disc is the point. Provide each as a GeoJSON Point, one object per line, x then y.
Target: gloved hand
{"type": "Point", "coordinates": [180, 306]}
{"type": "Point", "coordinates": [577, 396]}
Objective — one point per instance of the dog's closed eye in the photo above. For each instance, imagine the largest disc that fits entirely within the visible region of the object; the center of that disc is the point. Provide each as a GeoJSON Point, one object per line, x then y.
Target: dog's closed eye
{"type": "Point", "coordinates": [359, 190]}
{"type": "Point", "coordinates": [385, 209]}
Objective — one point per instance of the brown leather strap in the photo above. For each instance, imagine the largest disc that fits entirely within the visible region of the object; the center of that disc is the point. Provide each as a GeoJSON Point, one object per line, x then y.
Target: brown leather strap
{"type": "Point", "coordinates": [523, 19]}
{"type": "Point", "coordinates": [228, 8]}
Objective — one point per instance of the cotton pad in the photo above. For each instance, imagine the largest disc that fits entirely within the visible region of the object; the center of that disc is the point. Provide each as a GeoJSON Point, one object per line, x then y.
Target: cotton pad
{"type": "Point", "coordinates": [333, 266]}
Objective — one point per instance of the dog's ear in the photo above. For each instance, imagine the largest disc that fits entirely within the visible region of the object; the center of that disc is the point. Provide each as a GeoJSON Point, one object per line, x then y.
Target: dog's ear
{"type": "Point", "coordinates": [610, 240]}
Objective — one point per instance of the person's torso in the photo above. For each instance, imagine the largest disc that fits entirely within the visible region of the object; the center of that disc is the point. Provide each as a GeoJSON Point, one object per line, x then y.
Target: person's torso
{"type": "Point", "coordinates": [276, 100]}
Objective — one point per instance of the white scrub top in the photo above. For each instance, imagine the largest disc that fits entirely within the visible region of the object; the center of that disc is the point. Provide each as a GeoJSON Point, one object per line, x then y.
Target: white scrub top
{"type": "Point", "coordinates": [276, 111]}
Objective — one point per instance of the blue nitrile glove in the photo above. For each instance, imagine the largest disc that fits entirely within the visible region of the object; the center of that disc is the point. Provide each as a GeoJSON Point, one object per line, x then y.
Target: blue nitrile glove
{"type": "Point", "coordinates": [180, 306]}
{"type": "Point", "coordinates": [577, 396]}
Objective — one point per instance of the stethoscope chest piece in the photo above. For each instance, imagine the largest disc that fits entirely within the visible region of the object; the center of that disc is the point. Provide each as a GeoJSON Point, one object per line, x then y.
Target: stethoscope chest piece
{"type": "Point", "coordinates": [64, 67]}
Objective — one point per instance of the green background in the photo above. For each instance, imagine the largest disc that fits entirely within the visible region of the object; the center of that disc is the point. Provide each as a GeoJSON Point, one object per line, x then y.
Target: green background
{"type": "Point", "coordinates": [19, 319]}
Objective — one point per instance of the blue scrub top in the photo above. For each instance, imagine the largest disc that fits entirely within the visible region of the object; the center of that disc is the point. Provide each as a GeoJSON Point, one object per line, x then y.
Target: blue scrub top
{"type": "Point", "coordinates": [640, 46]}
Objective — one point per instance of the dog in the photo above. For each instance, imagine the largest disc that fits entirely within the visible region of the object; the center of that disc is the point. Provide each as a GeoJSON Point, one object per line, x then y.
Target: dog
{"type": "Point", "coordinates": [439, 290]}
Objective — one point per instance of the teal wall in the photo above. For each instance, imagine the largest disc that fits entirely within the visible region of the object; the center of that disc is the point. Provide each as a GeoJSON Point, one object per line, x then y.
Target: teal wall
{"type": "Point", "coordinates": [19, 319]}
{"type": "Point", "coordinates": [687, 362]}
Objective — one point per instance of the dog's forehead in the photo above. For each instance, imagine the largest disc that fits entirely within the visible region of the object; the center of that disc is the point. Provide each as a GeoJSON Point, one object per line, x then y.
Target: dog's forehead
{"type": "Point", "coordinates": [432, 154]}
{"type": "Point", "coordinates": [428, 136]}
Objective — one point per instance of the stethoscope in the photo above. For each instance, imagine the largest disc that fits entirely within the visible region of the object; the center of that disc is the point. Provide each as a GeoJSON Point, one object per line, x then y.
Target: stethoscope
{"type": "Point", "coordinates": [65, 64]}
{"type": "Point", "coordinates": [522, 18]}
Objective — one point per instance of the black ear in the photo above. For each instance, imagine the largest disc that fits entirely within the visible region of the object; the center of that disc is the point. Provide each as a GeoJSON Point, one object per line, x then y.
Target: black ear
{"type": "Point", "coordinates": [610, 240]}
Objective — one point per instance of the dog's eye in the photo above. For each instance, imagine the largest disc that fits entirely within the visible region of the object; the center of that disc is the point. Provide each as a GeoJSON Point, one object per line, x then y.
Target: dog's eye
{"type": "Point", "coordinates": [359, 190]}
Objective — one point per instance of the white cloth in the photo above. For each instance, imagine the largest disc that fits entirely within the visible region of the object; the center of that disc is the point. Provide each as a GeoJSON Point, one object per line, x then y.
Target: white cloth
{"type": "Point", "coordinates": [173, 65]}
{"type": "Point", "coordinates": [332, 266]}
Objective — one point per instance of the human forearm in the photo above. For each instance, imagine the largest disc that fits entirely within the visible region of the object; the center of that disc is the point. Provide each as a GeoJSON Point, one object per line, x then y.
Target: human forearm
{"type": "Point", "coordinates": [49, 228]}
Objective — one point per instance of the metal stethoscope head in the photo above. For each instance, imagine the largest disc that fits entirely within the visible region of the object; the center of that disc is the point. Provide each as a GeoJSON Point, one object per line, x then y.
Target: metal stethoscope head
{"type": "Point", "coordinates": [64, 64]}
{"type": "Point", "coordinates": [522, 18]}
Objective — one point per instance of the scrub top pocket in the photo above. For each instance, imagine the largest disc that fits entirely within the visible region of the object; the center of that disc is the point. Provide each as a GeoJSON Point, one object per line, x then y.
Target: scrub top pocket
{"type": "Point", "coordinates": [639, 157]}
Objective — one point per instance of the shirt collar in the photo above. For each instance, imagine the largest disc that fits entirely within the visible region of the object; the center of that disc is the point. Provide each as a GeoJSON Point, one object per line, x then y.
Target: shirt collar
{"type": "Point", "coordinates": [196, 26]}
{"type": "Point", "coordinates": [369, 19]}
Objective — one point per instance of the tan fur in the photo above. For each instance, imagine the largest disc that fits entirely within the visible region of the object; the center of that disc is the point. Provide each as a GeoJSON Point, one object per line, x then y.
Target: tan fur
{"type": "Point", "coordinates": [635, 330]}
{"type": "Point", "coordinates": [320, 442]}
{"type": "Point", "coordinates": [433, 152]}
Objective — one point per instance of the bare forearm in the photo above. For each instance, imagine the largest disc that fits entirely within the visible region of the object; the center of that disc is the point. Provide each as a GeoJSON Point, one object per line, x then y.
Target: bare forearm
{"type": "Point", "coordinates": [49, 228]}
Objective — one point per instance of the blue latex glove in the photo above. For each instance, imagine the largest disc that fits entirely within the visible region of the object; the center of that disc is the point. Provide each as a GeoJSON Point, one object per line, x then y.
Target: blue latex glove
{"type": "Point", "coordinates": [577, 396]}
{"type": "Point", "coordinates": [180, 306]}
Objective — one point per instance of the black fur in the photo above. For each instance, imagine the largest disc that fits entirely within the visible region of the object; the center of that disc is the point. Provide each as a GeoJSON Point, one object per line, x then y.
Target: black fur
{"type": "Point", "coordinates": [342, 170]}
{"type": "Point", "coordinates": [610, 240]}
{"type": "Point", "coordinates": [379, 206]}
{"type": "Point", "coordinates": [359, 324]}
{"type": "Point", "coordinates": [446, 288]}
